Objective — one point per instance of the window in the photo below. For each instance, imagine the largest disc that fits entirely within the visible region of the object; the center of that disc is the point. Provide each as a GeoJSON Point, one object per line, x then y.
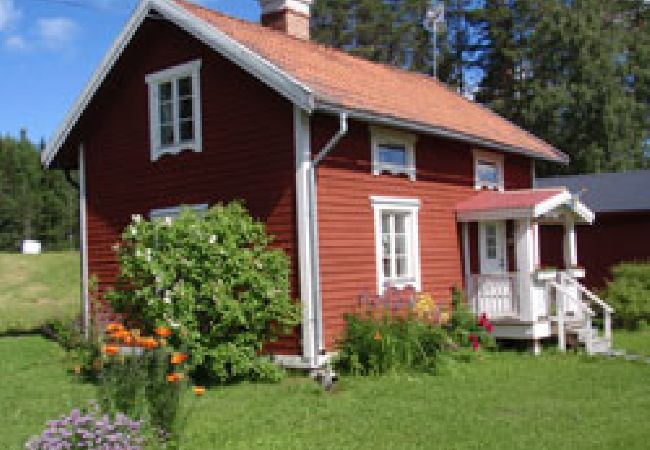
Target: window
{"type": "Point", "coordinates": [488, 171]}
{"type": "Point", "coordinates": [171, 213]}
{"type": "Point", "coordinates": [392, 152]}
{"type": "Point", "coordinates": [397, 242]}
{"type": "Point", "coordinates": [174, 109]}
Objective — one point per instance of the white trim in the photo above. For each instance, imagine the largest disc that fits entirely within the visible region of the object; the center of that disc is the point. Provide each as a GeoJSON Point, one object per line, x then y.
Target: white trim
{"type": "Point", "coordinates": [83, 243]}
{"type": "Point", "coordinates": [172, 74]}
{"type": "Point", "coordinates": [412, 207]}
{"type": "Point", "coordinates": [302, 145]}
{"type": "Point", "coordinates": [253, 63]}
{"type": "Point", "coordinates": [173, 211]}
{"type": "Point", "coordinates": [467, 269]}
{"type": "Point", "coordinates": [385, 136]}
{"type": "Point", "coordinates": [489, 158]}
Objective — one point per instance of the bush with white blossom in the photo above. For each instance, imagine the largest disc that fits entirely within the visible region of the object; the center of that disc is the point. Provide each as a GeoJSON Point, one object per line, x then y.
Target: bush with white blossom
{"type": "Point", "coordinates": [214, 280]}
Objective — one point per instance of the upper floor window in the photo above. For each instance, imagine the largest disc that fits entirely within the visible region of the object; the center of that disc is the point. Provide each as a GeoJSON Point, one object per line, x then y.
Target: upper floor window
{"type": "Point", "coordinates": [488, 171]}
{"type": "Point", "coordinates": [397, 241]}
{"type": "Point", "coordinates": [393, 152]}
{"type": "Point", "coordinates": [175, 109]}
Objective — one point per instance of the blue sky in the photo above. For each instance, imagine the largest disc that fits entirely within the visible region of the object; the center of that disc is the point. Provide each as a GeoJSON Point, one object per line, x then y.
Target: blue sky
{"type": "Point", "coordinates": [50, 48]}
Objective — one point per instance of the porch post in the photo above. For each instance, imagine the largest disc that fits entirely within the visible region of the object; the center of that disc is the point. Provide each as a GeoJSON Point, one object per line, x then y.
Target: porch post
{"type": "Point", "coordinates": [525, 266]}
{"type": "Point", "coordinates": [570, 243]}
{"type": "Point", "coordinates": [466, 260]}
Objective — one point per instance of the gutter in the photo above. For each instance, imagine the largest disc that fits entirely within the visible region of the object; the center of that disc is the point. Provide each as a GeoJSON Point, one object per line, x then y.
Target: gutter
{"type": "Point", "coordinates": [319, 346]}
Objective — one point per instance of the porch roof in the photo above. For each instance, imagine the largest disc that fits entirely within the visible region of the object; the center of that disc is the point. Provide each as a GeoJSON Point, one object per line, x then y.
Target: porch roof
{"type": "Point", "coordinates": [547, 204]}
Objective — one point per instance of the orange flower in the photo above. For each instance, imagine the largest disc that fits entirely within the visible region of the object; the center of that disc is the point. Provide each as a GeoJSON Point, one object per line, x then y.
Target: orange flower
{"type": "Point", "coordinates": [198, 390]}
{"type": "Point", "coordinates": [377, 336]}
{"type": "Point", "coordinates": [174, 377]}
{"type": "Point", "coordinates": [146, 342]}
{"type": "Point", "coordinates": [111, 350]}
{"type": "Point", "coordinates": [163, 332]}
{"type": "Point", "coordinates": [178, 358]}
{"type": "Point", "coordinates": [114, 327]}
{"type": "Point", "coordinates": [128, 339]}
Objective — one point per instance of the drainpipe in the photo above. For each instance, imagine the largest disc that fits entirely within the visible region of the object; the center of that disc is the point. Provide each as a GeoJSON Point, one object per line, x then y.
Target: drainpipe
{"type": "Point", "coordinates": [313, 220]}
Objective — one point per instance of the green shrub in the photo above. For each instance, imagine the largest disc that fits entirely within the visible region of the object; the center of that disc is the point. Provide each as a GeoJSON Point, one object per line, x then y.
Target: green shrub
{"type": "Point", "coordinates": [629, 294]}
{"type": "Point", "coordinates": [408, 340]}
{"type": "Point", "coordinates": [214, 280]}
{"type": "Point", "coordinates": [376, 346]}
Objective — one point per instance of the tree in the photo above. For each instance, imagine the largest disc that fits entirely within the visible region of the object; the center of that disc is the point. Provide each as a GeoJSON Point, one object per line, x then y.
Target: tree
{"type": "Point", "coordinates": [34, 203]}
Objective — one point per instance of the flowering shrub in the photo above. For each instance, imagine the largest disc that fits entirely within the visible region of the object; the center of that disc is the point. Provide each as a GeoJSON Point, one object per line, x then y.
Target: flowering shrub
{"type": "Point", "coordinates": [90, 430]}
{"type": "Point", "coordinates": [421, 337]}
{"type": "Point", "coordinates": [213, 280]}
{"type": "Point", "coordinates": [374, 346]}
{"type": "Point", "coordinates": [143, 377]}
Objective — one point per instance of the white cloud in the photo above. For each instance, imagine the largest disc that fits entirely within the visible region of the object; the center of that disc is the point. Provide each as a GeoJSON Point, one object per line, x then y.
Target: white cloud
{"type": "Point", "coordinates": [16, 43]}
{"type": "Point", "coordinates": [56, 32]}
{"type": "Point", "coordinates": [9, 14]}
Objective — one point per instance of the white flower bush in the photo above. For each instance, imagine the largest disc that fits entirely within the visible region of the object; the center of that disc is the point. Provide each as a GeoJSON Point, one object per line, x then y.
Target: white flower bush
{"type": "Point", "coordinates": [213, 279]}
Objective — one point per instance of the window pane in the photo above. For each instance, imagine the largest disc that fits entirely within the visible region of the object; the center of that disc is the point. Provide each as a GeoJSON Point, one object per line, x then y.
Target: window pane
{"type": "Point", "coordinates": [166, 134]}
{"type": "Point", "coordinates": [401, 268]}
{"type": "Point", "coordinates": [187, 130]}
{"type": "Point", "coordinates": [185, 109]}
{"type": "Point", "coordinates": [394, 155]}
{"type": "Point", "coordinates": [385, 222]}
{"type": "Point", "coordinates": [166, 112]}
{"type": "Point", "coordinates": [184, 86]}
{"type": "Point", "coordinates": [487, 172]}
{"type": "Point", "coordinates": [400, 244]}
{"type": "Point", "coordinates": [165, 91]}
{"type": "Point", "coordinates": [386, 263]}
{"type": "Point", "coordinates": [400, 223]}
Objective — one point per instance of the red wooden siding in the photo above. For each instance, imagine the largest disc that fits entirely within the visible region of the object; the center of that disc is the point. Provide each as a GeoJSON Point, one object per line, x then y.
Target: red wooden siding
{"type": "Point", "coordinates": [613, 238]}
{"type": "Point", "coordinates": [445, 176]}
{"type": "Point", "coordinates": [247, 149]}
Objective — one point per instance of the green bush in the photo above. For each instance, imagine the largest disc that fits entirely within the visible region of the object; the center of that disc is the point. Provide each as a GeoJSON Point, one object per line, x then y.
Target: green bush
{"type": "Point", "coordinates": [212, 279]}
{"type": "Point", "coordinates": [376, 346]}
{"type": "Point", "coordinates": [629, 294]}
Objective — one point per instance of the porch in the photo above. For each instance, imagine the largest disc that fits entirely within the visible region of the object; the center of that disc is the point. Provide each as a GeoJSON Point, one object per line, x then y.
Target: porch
{"type": "Point", "coordinates": [500, 232]}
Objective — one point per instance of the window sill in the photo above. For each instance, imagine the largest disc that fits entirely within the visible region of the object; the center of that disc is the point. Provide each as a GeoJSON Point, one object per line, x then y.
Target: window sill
{"type": "Point", "coordinates": [156, 154]}
{"type": "Point", "coordinates": [410, 173]}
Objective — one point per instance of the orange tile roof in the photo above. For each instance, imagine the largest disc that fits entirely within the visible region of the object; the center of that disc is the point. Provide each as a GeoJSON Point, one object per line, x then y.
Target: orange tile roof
{"type": "Point", "coordinates": [496, 200]}
{"type": "Point", "coordinates": [346, 81]}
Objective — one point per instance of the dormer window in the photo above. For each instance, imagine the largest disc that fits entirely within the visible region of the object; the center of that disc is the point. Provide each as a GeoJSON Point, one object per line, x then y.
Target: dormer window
{"type": "Point", "coordinates": [488, 171]}
{"type": "Point", "coordinates": [393, 152]}
{"type": "Point", "coordinates": [175, 109]}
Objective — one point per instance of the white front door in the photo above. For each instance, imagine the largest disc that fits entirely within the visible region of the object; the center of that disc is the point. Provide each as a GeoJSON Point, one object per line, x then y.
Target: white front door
{"type": "Point", "coordinates": [492, 247]}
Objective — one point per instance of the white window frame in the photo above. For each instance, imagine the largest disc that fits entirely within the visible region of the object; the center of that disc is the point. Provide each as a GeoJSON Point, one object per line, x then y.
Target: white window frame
{"type": "Point", "coordinates": [173, 211]}
{"type": "Point", "coordinates": [384, 136]}
{"type": "Point", "coordinates": [403, 205]}
{"type": "Point", "coordinates": [489, 158]}
{"type": "Point", "coordinates": [171, 74]}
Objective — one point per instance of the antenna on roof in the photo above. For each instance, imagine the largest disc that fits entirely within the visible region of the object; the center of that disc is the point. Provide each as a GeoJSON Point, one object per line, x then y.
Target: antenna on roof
{"type": "Point", "coordinates": [434, 21]}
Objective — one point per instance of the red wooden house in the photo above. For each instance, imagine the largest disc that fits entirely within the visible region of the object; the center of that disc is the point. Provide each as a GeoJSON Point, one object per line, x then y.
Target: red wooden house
{"type": "Point", "coordinates": [366, 174]}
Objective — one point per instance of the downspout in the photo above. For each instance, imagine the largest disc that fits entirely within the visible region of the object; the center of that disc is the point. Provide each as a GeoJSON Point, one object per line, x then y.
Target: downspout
{"type": "Point", "coordinates": [83, 243]}
{"type": "Point", "coordinates": [313, 220]}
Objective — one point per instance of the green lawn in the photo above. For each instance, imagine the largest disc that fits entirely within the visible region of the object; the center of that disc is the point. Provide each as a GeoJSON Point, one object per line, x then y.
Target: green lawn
{"type": "Point", "coordinates": [503, 401]}
{"type": "Point", "coordinates": [35, 288]}
{"type": "Point", "coordinates": [637, 342]}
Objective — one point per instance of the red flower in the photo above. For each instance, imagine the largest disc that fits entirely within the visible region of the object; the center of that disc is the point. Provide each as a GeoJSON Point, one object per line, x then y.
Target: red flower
{"type": "Point", "coordinates": [483, 320]}
{"type": "Point", "coordinates": [475, 345]}
{"type": "Point", "coordinates": [489, 327]}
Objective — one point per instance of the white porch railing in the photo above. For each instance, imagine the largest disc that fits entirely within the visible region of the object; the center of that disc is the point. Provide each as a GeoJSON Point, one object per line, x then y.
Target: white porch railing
{"type": "Point", "coordinates": [496, 295]}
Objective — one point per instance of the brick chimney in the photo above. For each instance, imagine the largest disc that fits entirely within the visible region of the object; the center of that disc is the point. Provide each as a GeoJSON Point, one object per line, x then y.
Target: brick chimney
{"type": "Point", "coordinates": [290, 16]}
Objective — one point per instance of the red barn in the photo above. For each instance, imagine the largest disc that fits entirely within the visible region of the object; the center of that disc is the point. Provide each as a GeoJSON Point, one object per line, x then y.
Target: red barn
{"type": "Point", "coordinates": [367, 175]}
{"type": "Point", "coordinates": [621, 202]}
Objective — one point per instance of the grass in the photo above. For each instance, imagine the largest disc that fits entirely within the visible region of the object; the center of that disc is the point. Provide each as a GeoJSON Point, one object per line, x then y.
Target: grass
{"type": "Point", "coordinates": [36, 288]}
{"type": "Point", "coordinates": [505, 400]}
{"type": "Point", "coordinates": [635, 342]}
